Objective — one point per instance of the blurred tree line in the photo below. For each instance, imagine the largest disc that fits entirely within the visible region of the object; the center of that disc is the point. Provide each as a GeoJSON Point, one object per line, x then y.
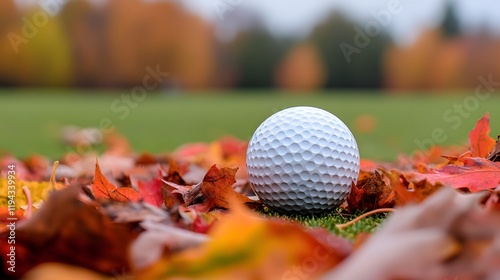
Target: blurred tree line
{"type": "Point", "coordinates": [113, 45]}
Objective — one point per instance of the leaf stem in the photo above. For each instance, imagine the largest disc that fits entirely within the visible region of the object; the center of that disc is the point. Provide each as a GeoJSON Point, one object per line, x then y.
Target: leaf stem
{"type": "Point", "coordinates": [52, 180]}
{"type": "Point", "coordinates": [27, 194]}
{"type": "Point", "coordinates": [359, 218]}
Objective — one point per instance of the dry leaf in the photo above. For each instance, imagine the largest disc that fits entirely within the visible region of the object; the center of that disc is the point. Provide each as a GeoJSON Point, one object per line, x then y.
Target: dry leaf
{"type": "Point", "coordinates": [481, 144]}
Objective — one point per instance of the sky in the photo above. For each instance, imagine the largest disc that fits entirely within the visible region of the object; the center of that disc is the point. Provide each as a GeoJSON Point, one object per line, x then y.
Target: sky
{"type": "Point", "coordinates": [298, 17]}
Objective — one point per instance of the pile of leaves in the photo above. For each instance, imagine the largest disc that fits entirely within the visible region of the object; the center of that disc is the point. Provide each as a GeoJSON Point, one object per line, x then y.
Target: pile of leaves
{"type": "Point", "coordinates": [192, 214]}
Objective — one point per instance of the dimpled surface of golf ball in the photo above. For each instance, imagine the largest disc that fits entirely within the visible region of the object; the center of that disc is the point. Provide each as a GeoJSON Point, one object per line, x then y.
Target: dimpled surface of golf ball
{"type": "Point", "coordinates": [302, 160]}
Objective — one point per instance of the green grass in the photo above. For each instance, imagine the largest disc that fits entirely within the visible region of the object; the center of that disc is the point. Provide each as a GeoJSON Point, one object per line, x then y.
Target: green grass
{"type": "Point", "coordinates": [330, 220]}
{"type": "Point", "coordinates": [31, 123]}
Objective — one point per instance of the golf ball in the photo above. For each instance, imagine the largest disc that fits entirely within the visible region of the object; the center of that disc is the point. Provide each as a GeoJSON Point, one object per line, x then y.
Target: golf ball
{"type": "Point", "coordinates": [302, 160]}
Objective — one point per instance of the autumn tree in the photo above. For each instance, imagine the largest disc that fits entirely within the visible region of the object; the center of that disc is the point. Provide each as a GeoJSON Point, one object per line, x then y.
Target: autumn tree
{"type": "Point", "coordinates": [158, 34]}
{"type": "Point", "coordinates": [406, 67]}
{"type": "Point", "coordinates": [301, 69]}
{"type": "Point", "coordinates": [84, 26]}
{"type": "Point", "coordinates": [39, 53]}
{"type": "Point", "coordinates": [9, 15]}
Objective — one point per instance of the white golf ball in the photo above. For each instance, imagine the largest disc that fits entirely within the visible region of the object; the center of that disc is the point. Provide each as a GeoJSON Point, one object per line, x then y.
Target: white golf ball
{"type": "Point", "coordinates": [302, 160]}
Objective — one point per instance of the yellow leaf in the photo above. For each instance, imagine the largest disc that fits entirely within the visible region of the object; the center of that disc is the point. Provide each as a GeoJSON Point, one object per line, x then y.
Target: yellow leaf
{"type": "Point", "coordinates": [39, 192]}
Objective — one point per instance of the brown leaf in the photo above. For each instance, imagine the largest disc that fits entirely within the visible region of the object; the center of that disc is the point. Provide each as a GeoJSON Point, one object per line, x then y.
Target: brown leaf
{"type": "Point", "coordinates": [481, 144]}
{"type": "Point", "coordinates": [495, 154]}
{"type": "Point", "coordinates": [217, 188]}
{"type": "Point", "coordinates": [70, 231]}
{"type": "Point", "coordinates": [174, 174]}
{"type": "Point", "coordinates": [370, 193]}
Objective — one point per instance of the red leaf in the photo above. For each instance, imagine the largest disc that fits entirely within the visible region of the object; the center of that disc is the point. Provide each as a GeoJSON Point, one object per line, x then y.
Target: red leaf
{"type": "Point", "coordinates": [481, 144]}
{"type": "Point", "coordinates": [476, 174]}
{"type": "Point", "coordinates": [151, 192]}
{"type": "Point", "coordinates": [102, 188]}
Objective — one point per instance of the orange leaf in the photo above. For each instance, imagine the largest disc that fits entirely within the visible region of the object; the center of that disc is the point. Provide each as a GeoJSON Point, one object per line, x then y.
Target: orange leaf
{"type": "Point", "coordinates": [481, 144]}
{"type": "Point", "coordinates": [174, 174]}
{"type": "Point", "coordinates": [217, 187]}
{"type": "Point", "coordinates": [102, 188]}
{"type": "Point", "coordinates": [410, 192]}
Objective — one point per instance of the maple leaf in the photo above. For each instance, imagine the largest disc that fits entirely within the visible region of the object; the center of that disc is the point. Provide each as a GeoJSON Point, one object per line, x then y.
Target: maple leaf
{"type": "Point", "coordinates": [476, 174]}
{"type": "Point", "coordinates": [174, 174]}
{"type": "Point", "coordinates": [103, 189]}
{"type": "Point", "coordinates": [151, 192]}
{"type": "Point", "coordinates": [217, 188]}
{"type": "Point", "coordinates": [481, 144]}
{"type": "Point", "coordinates": [370, 193]}
{"type": "Point", "coordinates": [188, 193]}
{"type": "Point", "coordinates": [409, 192]}
{"type": "Point", "coordinates": [173, 181]}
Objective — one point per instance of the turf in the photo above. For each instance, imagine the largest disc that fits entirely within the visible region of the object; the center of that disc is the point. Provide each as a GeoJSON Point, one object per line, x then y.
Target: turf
{"type": "Point", "coordinates": [329, 221]}
{"type": "Point", "coordinates": [32, 119]}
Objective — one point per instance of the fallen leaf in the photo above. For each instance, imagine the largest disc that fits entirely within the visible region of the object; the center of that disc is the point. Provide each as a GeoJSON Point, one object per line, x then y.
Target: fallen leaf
{"type": "Point", "coordinates": [370, 193]}
{"type": "Point", "coordinates": [174, 174]}
{"type": "Point", "coordinates": [416, 229]}
{"type": "Point", "coordinates": [265, 249]}
{"type": "Point", "coordinates": [131, 212]}
{"type": "Point", "coordinates": [159, 239]}
{"type": "Point", "coordinates": [409, 192]}
{"type": "Point", "coordinates": [70, 231]}
{"type": "Point", "coordinates": [217, 188]}
{"type": "Point", "coordinates": [495, 154]}
{"type": "Point", "coordinates": [476, 174]}
{"type": "Point", "coordinates": [103, 189]}
{"type": "Point", "coordinates": [151, 192]}
{"type": "Point", "coordinates": [481, 144]}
